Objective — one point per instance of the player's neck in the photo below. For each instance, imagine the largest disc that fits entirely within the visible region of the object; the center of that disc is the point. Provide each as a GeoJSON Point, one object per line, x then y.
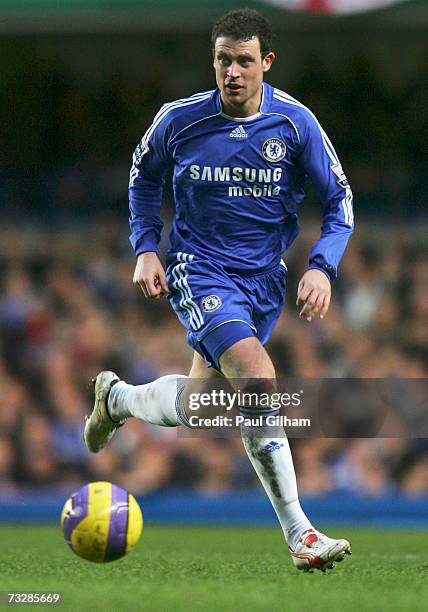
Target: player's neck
{"type": "Point", "coordinates": [248, 109]}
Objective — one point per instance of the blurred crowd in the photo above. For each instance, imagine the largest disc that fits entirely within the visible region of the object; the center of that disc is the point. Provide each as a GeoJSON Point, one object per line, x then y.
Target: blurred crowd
{"type": "Point", "coordinates": [72, 110]}
{"type": "Point", "coordinates": [68, 309]}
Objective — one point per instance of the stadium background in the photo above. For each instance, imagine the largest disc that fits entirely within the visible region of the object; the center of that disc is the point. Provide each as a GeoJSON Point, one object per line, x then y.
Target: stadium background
{"type": "Point", "coordinates": [81, 81]}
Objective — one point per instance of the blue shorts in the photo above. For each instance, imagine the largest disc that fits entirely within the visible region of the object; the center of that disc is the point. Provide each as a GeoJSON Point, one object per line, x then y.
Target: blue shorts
{"type": "Point", "coordinates": [206, 297]}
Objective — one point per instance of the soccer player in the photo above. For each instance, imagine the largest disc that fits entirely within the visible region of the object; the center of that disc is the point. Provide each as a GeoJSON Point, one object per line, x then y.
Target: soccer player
{"type": "Point", "coordinates": [240, 154]}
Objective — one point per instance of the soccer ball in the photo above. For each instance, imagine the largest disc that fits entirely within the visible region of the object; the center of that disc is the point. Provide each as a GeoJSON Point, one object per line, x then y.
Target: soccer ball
{"type": "Point", "coordinates": [101, 522]}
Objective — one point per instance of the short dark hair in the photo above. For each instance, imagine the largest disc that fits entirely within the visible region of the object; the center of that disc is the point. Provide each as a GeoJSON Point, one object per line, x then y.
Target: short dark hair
{"type": "Point", "coordinates": [244, 24]}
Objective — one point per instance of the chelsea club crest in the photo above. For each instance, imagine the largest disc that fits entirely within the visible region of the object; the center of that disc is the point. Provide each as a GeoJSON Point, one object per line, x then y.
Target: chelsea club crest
{"type": "Point", "coordinates": [274, 149]}
{"type": "Point", "coordinates": [210, 303]}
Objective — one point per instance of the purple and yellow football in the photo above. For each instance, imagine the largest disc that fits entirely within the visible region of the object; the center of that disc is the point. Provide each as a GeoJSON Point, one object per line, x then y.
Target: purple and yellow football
{"type": "Point", "coordinates": [101, 522]}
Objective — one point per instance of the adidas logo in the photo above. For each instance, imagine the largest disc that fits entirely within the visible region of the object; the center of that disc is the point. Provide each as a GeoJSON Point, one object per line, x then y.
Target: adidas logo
{"type": "Point", "coordinates": [238, 132]}
{"type": "Point", "coordinates": [272, 446]}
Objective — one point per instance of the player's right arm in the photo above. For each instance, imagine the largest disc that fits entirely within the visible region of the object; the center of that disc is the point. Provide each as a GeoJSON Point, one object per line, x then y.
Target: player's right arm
{"type": "Point", "coordinates": [150, 276]}
{"type": "Point", "coordinates": [149, 163]}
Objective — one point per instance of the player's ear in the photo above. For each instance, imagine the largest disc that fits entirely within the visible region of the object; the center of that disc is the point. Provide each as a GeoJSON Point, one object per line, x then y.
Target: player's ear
{"type": "Point", "coordinates": [267, 61]}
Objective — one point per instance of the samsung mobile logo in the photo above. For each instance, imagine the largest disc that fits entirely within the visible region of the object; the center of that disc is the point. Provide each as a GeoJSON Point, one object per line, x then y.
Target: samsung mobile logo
{"type": "Point", "coordinates": [224, 174]}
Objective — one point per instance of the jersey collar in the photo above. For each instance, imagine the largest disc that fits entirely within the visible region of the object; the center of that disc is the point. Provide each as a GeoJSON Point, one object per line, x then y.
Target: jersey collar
{"type": "Point", "coordinates": [264, 106]}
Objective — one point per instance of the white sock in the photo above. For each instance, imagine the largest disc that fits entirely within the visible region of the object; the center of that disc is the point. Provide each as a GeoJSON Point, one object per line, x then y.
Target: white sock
{"type": "Point", "coordinates": [272, 460]}
{"type": "Point", "coordinates": [155, 403]}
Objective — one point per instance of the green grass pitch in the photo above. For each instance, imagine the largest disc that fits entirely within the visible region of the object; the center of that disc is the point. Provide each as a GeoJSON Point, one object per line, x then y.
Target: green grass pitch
{"type": "Point", "coordinates": [216, 569]}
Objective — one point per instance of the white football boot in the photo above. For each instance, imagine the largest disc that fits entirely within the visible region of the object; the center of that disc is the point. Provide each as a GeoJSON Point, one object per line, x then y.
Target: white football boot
{"type": "Point", "coordinates": [100, 427]}
{"type": "Point", "coordinates": [317, 551]}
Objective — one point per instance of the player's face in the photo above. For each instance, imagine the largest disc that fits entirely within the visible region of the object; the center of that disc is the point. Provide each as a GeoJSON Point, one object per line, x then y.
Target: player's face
{"type": "Point", "coordinates": [239, 69]}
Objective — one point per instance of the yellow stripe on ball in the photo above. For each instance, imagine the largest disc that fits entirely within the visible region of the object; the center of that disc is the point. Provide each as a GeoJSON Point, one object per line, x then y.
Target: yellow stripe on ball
{"type": "Point", "coordinates": [135, 523]}
{"type": "Point", "coordinates": [96, 525]}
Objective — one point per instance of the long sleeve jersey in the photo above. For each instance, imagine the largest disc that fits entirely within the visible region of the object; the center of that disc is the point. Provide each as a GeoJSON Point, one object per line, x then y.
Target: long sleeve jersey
{"type": "Point", "coordinates": [238, 183]}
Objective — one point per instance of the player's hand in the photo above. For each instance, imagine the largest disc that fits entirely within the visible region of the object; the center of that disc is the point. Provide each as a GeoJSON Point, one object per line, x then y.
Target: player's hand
{"type": "Point", "coordinates": [150, 276]}
{"type": "Point", "coordinates": [313, 295]}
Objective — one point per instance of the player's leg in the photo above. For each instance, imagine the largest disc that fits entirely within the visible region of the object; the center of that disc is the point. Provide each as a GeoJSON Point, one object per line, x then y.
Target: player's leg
{"type": "Point", "coordinates": [249, 360]}
{"type": "Point", "coordinates": [269, 452]}
{"type": "Point", "coordinates": [157, 402]}
{"type": "Point", "coordinates": [192, 284]}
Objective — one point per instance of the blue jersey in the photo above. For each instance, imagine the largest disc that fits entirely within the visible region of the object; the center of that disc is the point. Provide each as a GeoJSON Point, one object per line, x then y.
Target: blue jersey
{"type": "Point", "coordinates": [238, 183]}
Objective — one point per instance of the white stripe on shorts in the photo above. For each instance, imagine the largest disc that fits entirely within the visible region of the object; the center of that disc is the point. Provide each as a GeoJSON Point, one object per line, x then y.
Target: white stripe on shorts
{"type": "Point", "coordinates": [181, 283]}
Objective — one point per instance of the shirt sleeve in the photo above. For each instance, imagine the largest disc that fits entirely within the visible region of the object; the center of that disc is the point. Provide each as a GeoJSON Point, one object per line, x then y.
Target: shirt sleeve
{"type": "Point", "coordinates": [147, 177]}
{"type": "Point", "coordinates": [323, 167]}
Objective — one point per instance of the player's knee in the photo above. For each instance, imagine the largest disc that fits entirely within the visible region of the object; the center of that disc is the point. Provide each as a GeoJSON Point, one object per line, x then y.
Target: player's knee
{"type": "Point", "coordinates": [247, 359]}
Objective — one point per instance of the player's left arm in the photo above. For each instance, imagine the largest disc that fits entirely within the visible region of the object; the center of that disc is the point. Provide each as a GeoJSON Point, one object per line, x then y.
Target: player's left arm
{"type": "Point", "coordinates": [323, 167]}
